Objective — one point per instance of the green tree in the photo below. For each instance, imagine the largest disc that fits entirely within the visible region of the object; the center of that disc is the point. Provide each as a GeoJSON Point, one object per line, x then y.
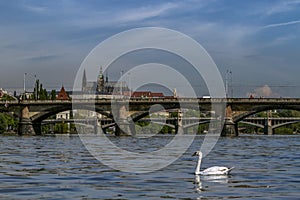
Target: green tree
{"type": "Point", "coordinates": [7, 98]}
{"type": "Point", "coordinates": [61, 128]}
{"type": "Point", "coordinates": [7, 122]}
{"type": "Point", "coordinates": [283, 130]}
{"type": "Point", "coordinates": [43, 95]}
{"type": "Point", "coordinates": [53, 95]}
{"type": "Point", "coordinates": [285, 113]}
{"type": "Point", "coordinates": [39, 93]}
{"type": "Point", "coordinates": [3, 123]}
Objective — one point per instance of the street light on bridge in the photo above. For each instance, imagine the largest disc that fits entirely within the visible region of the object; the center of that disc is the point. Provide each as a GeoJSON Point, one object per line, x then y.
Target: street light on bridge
{"type": "Point", "coordinates": [228, 84]}
{"type": "Point", "coordinates": [24, 82]}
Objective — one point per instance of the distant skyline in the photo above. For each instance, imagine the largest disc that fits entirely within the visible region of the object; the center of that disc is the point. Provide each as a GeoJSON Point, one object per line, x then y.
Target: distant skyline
{"type": "Point", "coordinates": [258, 41]}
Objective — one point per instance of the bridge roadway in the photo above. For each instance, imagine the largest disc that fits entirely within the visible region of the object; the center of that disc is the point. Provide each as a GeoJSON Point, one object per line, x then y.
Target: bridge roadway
{"type": "Point", "coordinates": [233, 110]}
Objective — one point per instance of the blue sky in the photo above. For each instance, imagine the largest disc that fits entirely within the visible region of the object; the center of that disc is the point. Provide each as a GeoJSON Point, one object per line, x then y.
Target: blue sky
{"type": "Point", "coordinates": [257, 40]}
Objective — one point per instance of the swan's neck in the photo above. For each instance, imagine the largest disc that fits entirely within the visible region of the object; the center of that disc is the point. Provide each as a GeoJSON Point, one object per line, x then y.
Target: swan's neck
{"type": "Point", "coordinates": [198, 165]}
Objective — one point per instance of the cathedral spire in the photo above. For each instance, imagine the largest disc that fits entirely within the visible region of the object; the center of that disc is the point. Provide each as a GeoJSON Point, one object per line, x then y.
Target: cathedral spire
{"type": "Point", "coordinates": [101, 72]}
{"type": "Point", "coordinates": [84, 80]}
{"type": "Point", "coordinates": [100, 81]}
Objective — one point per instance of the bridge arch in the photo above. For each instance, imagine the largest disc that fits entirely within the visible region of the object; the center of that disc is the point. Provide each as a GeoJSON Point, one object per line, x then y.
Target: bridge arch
{"type": "Point", "coordinates": [142, 114]}
{"type": "Point", "coordinates": [239, 117]}
{"type": "Point", "coordinates": [164, 124]}
{"type": "Point", "coordinates": [196, 124]}
{"type": "Point", "coordinates": [283, 124]}
{"type": "Point", "coordinates": [252, 124]}
{"type": "Point", "coordinates": [44, 115]}
{"type": "Point", "coordinates": [268, 124]}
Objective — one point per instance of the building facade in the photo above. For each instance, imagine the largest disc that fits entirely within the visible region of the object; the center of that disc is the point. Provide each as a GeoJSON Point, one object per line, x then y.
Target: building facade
{"type": "Point", "coordinates": [104, 86]}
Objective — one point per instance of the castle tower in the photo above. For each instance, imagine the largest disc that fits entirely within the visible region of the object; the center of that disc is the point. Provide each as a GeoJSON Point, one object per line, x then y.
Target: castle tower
{"type": "Point", "coordinates": [100, 81]}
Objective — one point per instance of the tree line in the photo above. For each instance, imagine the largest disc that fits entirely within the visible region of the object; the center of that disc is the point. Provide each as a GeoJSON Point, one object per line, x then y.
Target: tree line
{"type": "Point", "coordinates": [40, 93]}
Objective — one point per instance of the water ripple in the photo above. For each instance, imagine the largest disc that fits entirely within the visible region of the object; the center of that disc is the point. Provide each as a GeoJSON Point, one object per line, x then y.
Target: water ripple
{"type": "Point", "coordinates": [61, 168]}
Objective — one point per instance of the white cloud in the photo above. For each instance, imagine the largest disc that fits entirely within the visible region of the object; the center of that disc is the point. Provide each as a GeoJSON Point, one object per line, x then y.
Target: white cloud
{"type": "Point", "coordinates": [94, 19]}
{"type": "Point", "coordinates": [35, 9]}
{"type": "Point", "coordinates": [281, 24]}
{"type": "Point", "coordinates": [274, 8]}
{"type": "Point", "coordinates": [282, 6]}
{"type": "Point", "coordinates": [146, 12]}
{"type": "Point", "coordinates": [222, 37]}
{"type": "Point", "coordinates": [282, 40]}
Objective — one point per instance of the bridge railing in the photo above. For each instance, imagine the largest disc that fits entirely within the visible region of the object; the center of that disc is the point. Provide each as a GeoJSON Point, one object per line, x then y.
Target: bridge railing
{"type": "Point", "coordinates": [180, 99]}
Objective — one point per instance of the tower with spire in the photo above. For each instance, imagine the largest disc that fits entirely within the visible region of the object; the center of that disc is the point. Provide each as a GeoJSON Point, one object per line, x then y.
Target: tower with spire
{"type": "Point", "coordinates": [84, 81]}
{"type": "Point", "coordinates": [100, 82]}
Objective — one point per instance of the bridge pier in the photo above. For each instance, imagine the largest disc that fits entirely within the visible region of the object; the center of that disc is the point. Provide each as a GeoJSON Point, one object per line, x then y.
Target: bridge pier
{"type": "Point", "coordinates": [123, 125]}
{"type": "Point", "coordinates": [179, 124]}
{"type": "Point", "coordinates": [180, 130]}
{"type": "Point", "coordinates": [26, 126]}
{"type": "Point", "coordinates": [230, 128]}
{"type": "Point", "coordinates": [96, 126]}
{"type": "Point", "coordinates": [268, 129]}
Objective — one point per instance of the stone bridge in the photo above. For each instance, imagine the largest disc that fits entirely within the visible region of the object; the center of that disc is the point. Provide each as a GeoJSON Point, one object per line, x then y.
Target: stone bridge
{"type": "Point", "coordinates": [232, 110]}
{"type": "Point", "coordinates": [270, 123]}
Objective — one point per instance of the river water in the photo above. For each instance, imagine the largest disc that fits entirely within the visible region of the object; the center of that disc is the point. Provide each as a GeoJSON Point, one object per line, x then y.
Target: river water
{"type": "Point", "coordinates": [266, 167]}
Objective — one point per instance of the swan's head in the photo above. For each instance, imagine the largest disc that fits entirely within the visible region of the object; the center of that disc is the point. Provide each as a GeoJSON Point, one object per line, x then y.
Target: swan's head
{"type": "Point", "coordinates": [197, 153]}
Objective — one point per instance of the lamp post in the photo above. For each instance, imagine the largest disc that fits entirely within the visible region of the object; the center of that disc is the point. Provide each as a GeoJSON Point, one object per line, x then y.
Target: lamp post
{"type": "Point", "coordinates": [129, 85]}
{"type": "Point", "coordinates": [121, 86]}
{"type": "Point", "coordinates": [228, 84]}
{"type": "Point", "coordinates": [231, 87]}
{"type": "Point", "coordinates": [36, 88]}
{"type": "Point", "coordinates": [24, 82]}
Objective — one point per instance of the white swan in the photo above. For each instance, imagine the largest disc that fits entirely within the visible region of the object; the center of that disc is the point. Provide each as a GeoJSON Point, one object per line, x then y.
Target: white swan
{"type": "Point", "coordinates": [216, 170]}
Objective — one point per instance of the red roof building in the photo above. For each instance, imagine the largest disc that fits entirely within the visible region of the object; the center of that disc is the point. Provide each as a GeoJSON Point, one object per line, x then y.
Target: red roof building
{"type": "Point", "coordinates": [147, 94]}
{"type": "Point", "coordinates": [62, 95]}
{"type": "Point", "coordinates": [157, 95]}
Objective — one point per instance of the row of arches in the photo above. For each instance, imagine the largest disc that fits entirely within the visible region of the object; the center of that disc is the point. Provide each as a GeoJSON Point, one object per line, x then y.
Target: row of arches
{"type": "Point", "coordinates": [137, 116]}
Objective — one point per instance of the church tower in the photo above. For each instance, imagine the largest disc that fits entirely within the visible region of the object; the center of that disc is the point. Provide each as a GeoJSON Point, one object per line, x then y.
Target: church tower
{"type": "Point", "coordinates": [83, 86]}
{"type": "Point", "coordinates": [100, 81]}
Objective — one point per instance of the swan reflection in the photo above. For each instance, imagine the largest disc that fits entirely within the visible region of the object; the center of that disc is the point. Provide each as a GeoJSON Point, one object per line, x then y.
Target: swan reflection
{"type": "Point", "coordinates": [198, 184]}
{"type": "Point", "coordinates": [222, 179]}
